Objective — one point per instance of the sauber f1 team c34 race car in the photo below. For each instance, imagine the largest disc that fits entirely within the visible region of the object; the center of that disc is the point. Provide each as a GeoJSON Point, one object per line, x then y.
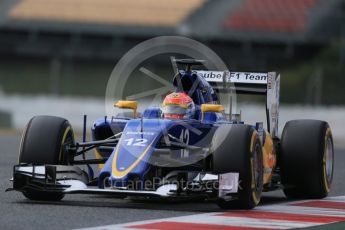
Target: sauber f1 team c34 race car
{"type": "Point", "coordinates": [187, 148]}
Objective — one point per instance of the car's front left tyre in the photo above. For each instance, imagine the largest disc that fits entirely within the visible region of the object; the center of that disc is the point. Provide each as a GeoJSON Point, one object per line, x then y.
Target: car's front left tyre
{"type": "Point", "coordinates": [237, 149]}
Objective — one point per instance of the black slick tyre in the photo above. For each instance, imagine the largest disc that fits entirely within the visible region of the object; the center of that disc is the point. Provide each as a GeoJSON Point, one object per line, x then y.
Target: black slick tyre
{"type": "Point", "coordinates": [43, 142]}
{"type": "Point", "coordinates": [237, 148]}
{"type": "Point", "coordinates": [306, 159]}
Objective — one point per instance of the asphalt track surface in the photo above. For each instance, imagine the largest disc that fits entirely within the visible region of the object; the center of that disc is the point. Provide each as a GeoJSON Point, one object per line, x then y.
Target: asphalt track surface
{"type": "Point", "coordinates": [80, 211]}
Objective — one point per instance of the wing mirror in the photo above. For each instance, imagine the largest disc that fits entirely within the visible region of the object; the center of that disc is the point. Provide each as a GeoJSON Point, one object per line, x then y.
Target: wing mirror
{"type": "Point", "coordinates": [210, 108]}
{"type": "Point", "coordinates": [128, 105]}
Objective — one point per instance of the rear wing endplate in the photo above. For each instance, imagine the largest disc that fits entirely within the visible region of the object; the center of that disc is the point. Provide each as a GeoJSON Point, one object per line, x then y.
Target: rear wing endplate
{"type": "Point", "coordinates": [250, 83]}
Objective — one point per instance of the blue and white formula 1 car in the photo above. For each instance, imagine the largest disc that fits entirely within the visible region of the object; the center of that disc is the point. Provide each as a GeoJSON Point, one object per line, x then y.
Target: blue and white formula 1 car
{"type": "Point", "coordinates": [206, 155]}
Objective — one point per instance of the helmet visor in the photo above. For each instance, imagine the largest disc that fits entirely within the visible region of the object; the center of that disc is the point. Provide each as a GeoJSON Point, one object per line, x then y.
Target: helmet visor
{"type": "Point", "coordinates": [174, 109]}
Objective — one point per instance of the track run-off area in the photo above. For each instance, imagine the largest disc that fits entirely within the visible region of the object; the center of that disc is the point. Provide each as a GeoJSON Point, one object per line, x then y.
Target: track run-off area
{"type": "Point", "coordinates": [285, 215]}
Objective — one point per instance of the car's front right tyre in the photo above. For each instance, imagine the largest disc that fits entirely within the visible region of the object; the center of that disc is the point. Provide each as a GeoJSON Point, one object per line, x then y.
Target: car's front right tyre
{"type": "Point", "coordinates": [43, 142]}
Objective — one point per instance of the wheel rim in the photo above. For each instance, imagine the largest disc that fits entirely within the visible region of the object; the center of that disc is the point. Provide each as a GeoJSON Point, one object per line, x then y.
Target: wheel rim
{"type": "Point", "coordinates": [257, 164]}
{"type": "Point", "coordinates": [328, 159]}
{"type": "Point", "coordinates": [66, 141]}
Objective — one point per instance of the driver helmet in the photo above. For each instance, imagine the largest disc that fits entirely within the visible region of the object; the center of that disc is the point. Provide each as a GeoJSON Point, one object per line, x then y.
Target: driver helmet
{"type": "Point", "coordinates": [178, 106]}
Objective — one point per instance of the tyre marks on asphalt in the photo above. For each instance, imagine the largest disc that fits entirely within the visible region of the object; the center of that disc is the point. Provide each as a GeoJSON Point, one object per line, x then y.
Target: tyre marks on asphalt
{"type": "Point", "coordinates": [297, 214]}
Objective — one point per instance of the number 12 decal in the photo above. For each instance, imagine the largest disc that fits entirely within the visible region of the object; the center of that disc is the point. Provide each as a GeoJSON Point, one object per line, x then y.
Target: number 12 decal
{"type": "Point", "coordinates": [136, 142]}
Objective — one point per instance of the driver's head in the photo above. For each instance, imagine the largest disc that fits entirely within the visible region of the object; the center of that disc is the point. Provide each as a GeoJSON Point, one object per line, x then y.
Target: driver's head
{"type": "Point", "coordinates": [178, 106]}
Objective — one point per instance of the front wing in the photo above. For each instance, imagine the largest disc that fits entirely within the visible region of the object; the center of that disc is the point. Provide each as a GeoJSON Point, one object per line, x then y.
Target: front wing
{"type": "Point", "coordinates": [72, 180]}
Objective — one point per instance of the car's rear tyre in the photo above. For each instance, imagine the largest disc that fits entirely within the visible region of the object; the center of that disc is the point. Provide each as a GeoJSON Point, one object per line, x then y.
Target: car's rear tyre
{"type": "Point", "coordinates": [237, 148]}
{"type": "Point", "coordinates": [44, 142]}
{"type": "Point", "coordinates": [306, 159]}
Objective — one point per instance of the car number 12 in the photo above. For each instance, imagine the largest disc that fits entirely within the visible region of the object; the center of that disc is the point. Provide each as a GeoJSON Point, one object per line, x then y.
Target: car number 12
{"type": "Point", "coordinates": [136, 142]}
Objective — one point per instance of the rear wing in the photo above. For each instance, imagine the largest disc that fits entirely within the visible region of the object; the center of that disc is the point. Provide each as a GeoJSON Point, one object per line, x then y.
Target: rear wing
{"type": "Point", "coordinates": [250, 83]}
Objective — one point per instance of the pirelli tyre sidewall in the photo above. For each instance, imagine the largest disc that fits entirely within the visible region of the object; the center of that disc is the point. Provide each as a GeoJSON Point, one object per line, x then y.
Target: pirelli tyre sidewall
{"type": "Point", "coordinates": [307, 159]}
{"type": "Point", "coordinates": [241, 152]}
{"type": "Point", "coordinates": [43, 142]}
{"type": "Point", "coordinates": [44, 139]}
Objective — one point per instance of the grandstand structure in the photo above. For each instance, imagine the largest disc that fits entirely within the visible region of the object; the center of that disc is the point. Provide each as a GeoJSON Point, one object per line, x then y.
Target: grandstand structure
{"type": "Point", "coordinates": [271, 16]}
{"type": "Point", "coordinates": [253, 33]}
{"type": "Point", "coordinates": [121, 12]}
{"type": "Point", "coordinates": [112, 22]}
